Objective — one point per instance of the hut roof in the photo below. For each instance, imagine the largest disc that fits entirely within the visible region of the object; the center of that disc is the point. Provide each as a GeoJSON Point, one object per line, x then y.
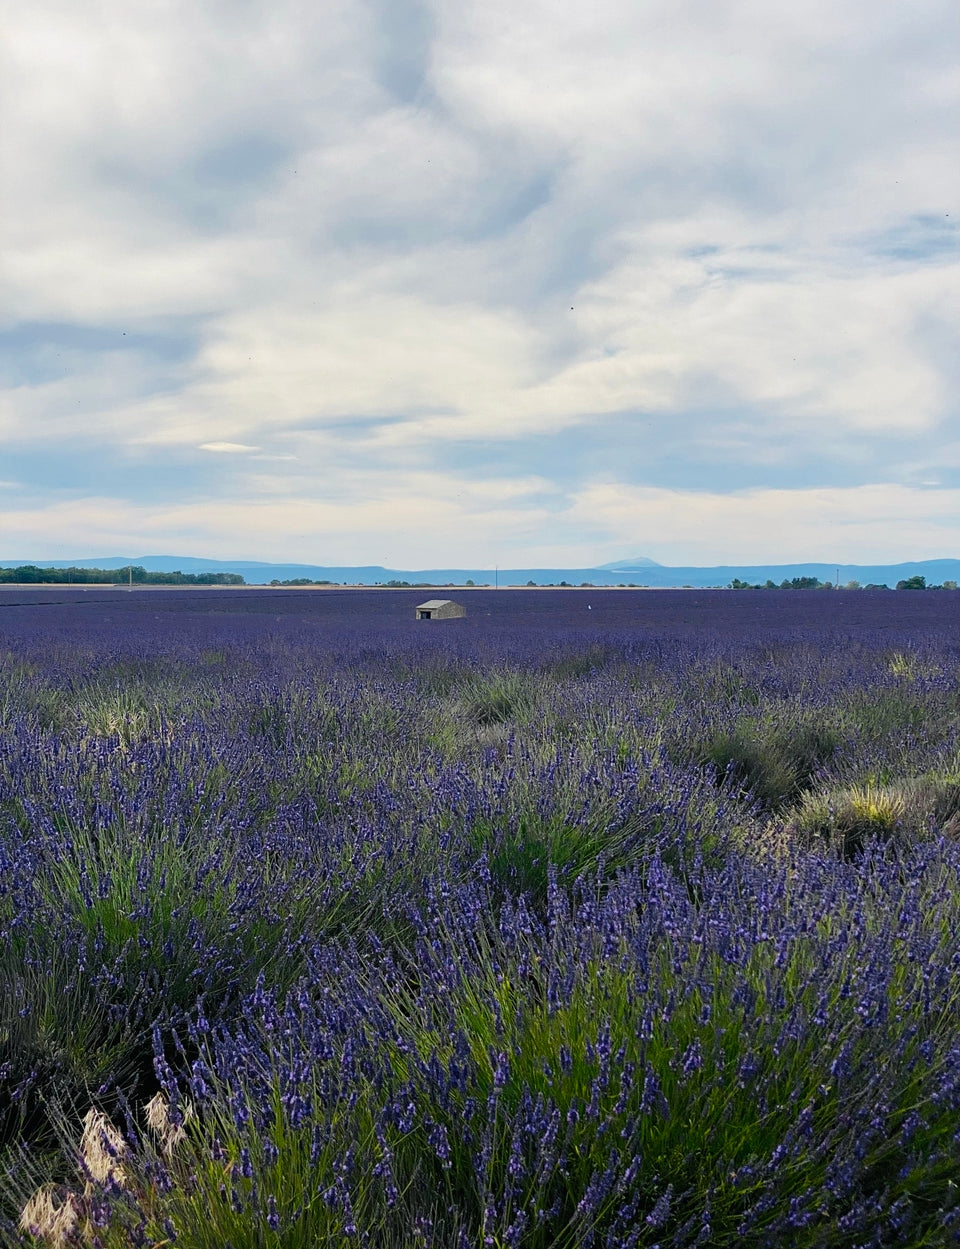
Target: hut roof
{"type": "Point", "coordinates": [433, 603]}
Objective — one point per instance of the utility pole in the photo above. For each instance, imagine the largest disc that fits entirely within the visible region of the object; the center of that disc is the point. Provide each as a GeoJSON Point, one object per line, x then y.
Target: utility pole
{"type": "Point", "coordinates": [496, 576]}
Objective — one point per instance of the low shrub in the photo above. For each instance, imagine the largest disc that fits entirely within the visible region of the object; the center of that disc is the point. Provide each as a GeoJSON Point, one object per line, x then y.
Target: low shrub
{"type": "Point", "coordinates": [846, 819]}
{"type": "Point", "coordinates": [497, 697]}
{"type": "Point", "coordinates": [772, 759]}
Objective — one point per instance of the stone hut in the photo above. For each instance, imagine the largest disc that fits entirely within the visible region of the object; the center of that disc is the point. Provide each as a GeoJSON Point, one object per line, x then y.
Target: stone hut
{"type": "Point", "coordinates": [440, 609]}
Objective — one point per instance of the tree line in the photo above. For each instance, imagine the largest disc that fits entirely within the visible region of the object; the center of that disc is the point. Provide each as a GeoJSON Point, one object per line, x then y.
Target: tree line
{"type": "Point", "coordinates": [31, 574]}
{"type": "Point", "coordinates": [814, 583]}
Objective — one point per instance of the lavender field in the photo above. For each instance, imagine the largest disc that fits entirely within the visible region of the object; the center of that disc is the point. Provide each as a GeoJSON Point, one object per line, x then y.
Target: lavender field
{"type": "Point", "coordinates": [596, 918]}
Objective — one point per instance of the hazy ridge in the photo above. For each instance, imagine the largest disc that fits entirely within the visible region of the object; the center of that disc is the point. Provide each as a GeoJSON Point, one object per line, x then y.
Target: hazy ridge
{"type": "Point", "coordinates": [639, 571]}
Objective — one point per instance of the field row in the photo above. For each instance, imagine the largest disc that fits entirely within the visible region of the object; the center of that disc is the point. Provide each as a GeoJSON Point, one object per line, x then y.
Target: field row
{"type": "Point", "coordinates": [615, 920]}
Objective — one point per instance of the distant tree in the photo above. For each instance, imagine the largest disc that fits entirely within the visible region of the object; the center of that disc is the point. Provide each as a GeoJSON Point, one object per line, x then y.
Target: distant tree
{"type": "Point", "coordinates": [470, 581]}
{"type": "Point", "coordinates": [28, 574]}
{"type": "Point", "coordinates": [949, 585]}
{"type": "Point", "coordinates": [913, 583]}
{"type": "Point", "coordinates": [533, 583]}
{"type": "Point", "coordinates": [212, 578]}
{"type": "Point", "coordinates": [300, 581]}
{"type": "Point", "coordinates": [852, 585]}
{"type": "Point", "coordinates": [22, 575]}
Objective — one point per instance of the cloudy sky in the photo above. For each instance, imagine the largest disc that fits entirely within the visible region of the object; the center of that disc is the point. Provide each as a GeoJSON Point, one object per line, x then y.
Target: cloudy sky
{"type": "Point", "coordinates": [464, 282]}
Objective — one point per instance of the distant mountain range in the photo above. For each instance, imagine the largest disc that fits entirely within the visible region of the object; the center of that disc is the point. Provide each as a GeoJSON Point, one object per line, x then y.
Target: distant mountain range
{"type": "Point", "coordinates": [629, 565]}
{"type": "Point", "coordinates": [638, 571]}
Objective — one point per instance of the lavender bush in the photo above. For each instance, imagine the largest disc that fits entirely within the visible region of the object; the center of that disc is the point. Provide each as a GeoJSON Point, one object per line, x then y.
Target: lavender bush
{"type": "Point", "coordinates": [536, 928]}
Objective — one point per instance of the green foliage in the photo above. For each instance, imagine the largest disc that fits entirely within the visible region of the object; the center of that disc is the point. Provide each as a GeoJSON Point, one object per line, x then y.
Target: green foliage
{"type": "Point", "coordinates": [31, 574]}
{"type": "Point", "coordinates": [57, 1039]}
{"type": "Point", "coordinates": [522, 858]}
{"type": "Point", "coordinates": [578, 663]}
{"type": "Point", "coordinates": [498, 697]}
{"type": "Point", "coordinates": [300, 581]}
{"type": "Point", "coordinates": [845, 819]}
{"type": "Point", "coordinates": [772, 757]}
{"type": "Point", "coordinates": [796, 583]}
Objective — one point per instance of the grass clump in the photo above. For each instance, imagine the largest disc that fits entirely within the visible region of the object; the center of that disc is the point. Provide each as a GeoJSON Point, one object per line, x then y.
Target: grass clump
{"type": "Point", "coordinates": [772, 759]}
{"type": "Point", "coordinates": [846, 819]}
{"type": "Point", "coordinates": [498, 697]}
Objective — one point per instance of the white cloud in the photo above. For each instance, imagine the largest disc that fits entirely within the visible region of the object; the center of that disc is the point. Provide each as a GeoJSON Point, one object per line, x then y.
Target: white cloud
{"type": "Point", "coordinates": [476, 223]}
{"type": "Point", "coordinates": [876, 523]}
{"type": "Point", "coordinates": [365, 518]}
{"type": "Point", "coordinates": [809, 345]}
{"type": "Point", "coordinates": [414, 520]}
{"type": "Point", "coordinates": [227, 448]}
